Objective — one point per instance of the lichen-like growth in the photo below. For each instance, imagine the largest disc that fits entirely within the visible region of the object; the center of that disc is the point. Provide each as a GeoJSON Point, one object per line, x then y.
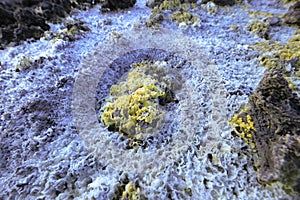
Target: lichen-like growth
{"type": "Point", "coordinates": [133, 108]}
{"type": "Point", "coordinates": [244, 126]}
{"type": "Point", "coordinates": [156, 17]}
{"type": "Point", "coordinates": [260, 14]}
{"type": "Point", "coordinates": [170, 5]}
{"type": "Point", "coordinates": [259, 28]}
{"type": "Point", "coordinates": [291, 81]}
{"type": "Point", "coordinates": [180, 13]}
{"type": "Point", "coordinates": [274, 53]}
{"type": "Point", "coordinates": [185, 18]}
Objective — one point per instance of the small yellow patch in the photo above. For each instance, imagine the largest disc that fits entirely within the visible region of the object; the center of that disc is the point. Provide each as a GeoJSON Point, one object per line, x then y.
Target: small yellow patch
{"type": "Point", "coordinates": [244, 127]}
{"type": "Point", "coordinates": [131, 192]}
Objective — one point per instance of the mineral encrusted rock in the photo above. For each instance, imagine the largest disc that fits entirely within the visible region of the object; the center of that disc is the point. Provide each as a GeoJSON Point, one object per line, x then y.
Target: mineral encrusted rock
{"type": "Point", "coordinates": [23, 19]}
{"type": "Point", "coordinates": [275, 110]}
{"type": "Point", "coordinates": [293, 14]}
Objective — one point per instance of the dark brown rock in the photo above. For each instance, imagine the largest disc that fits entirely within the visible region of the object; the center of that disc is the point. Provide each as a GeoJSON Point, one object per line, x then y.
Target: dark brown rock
{"type": "Point", "coordinates": [19, 19]}
{"type": "Point", "coordinates": [6, 17]}
{"type": "Point", "coordinates": [275, 110]}
{"type": "Point", "coordinates": [27, 17]}
{"type": "Point", "coordinates": [25, 32]}
{"type": "Point", "coordinates": [293, 14]}
{"type": "Point", "coordinates": [6, 34]}
{"type": "Point", "coordinates": [29, 3]}
{"type": "Point", "coordinates": [295, 7]}
{"type": "Point", "coordinates": [111, 5]}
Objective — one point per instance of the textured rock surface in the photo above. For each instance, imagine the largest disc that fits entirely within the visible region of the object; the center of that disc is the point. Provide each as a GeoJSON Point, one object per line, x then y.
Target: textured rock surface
{"type": "Point", "coordinates": [24, 19]}
{"type": "Point", "coordinates": [117, 4]}
{"type": "Point", "coordinates": [293, 14]}
{"type": "Point", "coordinates": [44, 156]}
{"type": "Point", "coordinates": [153, 3]}
{"type": "Point", "coordinates": [276, 114]}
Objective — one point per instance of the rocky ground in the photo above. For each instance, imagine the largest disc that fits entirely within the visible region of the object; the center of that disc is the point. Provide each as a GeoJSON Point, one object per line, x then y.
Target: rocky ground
{"type": "Point", "coordinates": [235, 131]}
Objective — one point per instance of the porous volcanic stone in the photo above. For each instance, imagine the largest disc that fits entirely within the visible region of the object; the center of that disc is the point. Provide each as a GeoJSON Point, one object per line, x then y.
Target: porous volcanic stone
{"type": "Point", "coordinates": [23, 19]}
{"type": "Point", "coordinates": [276, 113]}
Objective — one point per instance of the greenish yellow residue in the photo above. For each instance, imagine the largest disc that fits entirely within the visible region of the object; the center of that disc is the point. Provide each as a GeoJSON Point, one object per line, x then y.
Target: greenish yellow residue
{"type": "Point", "coordinates": [133, 107]}
{"type": "Point", "coordinates": [244, 126]}
{"type": "Point", "coordinates": [260, 14]}
{"type": "Point", "coordinates": [234, 27]}
{"type": "Point", "coordinates": [185, 18]}
{"type": "Point", "coordinates": [170, 5]}
{"type": "Point", "coordinates": [259, 28]}
{"type": "Point", "coordinates": [215, 159]}
{"type": "Point", "coordinates": [297, 32]}
{"type": "Point", "coordinates": [290, 1]}
{"type": "Point", "coordinates": [291, 81]}
{"type": "Point", "coordinates": [180, 13]}
{"type": "Point", "coordinates": [115, 35]}
{"type": "Point", "coordinates": [24, 64]}
{"type": "Point", "coordinates": [156, 17]}
{"type": "Point", "coordinates": [188, 191]}
{"type": "Point", "coordinates": [131, 192]}
{"type": "Point", "coordinates": [273, 53]}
